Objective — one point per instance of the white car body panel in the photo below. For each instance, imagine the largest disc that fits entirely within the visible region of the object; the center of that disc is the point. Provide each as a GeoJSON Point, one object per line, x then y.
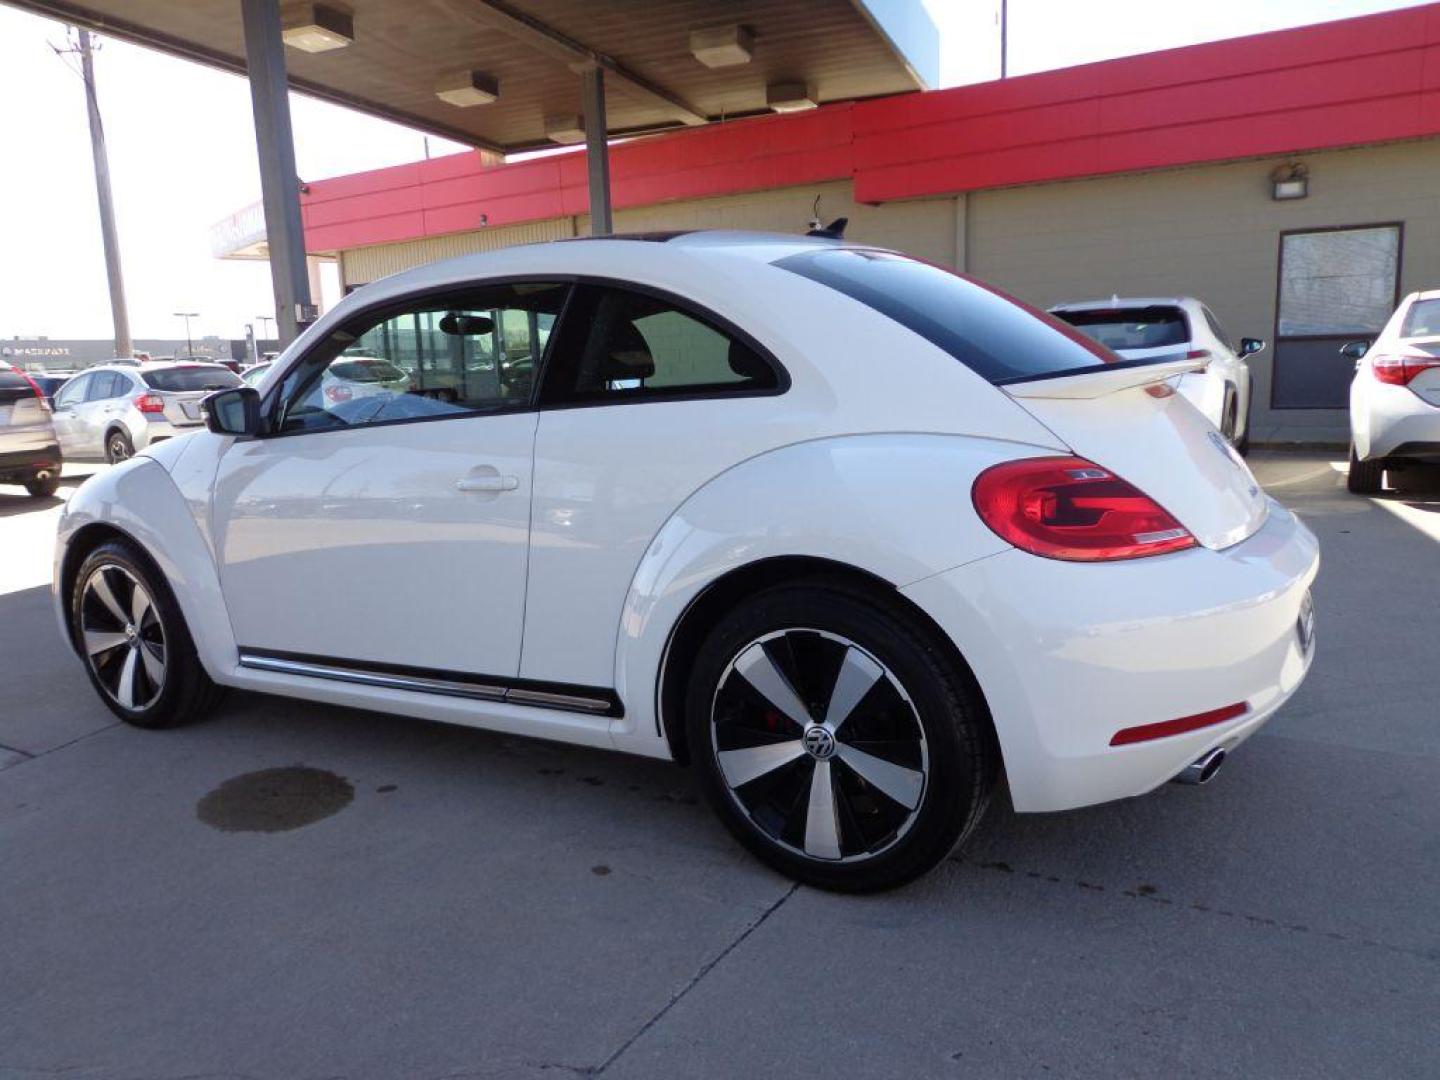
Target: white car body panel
{"type": "Point", "coordinates": [1207, 390]}
{"type": "Point", "coordinates": [1385, 417]}
{"type": "Point", "coordinates": [580, 573]}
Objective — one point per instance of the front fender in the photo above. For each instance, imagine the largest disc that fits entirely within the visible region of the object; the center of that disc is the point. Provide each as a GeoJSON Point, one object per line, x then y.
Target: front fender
{"type": "Point", "coordinates": [139, 499]}
{"type": "Point", "coordinates": [896, 506]}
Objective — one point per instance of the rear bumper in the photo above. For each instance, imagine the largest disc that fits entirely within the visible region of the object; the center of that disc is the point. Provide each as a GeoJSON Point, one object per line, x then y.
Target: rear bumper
{"type": "Point", "coordinates": [24, 461]}
{"type": "Point", "coordinates": [1070, 654]}
{"type": "Point", "coordinates": [1399, 418]}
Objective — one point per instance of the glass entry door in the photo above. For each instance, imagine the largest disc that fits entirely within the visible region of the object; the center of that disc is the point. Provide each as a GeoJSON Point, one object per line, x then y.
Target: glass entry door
{"type": "Point", "coordinates": [1336, 285]}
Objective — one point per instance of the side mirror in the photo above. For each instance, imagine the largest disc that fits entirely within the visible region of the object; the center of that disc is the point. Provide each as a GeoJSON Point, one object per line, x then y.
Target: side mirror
{"type": "Point", "coordinates": [1249, 346]}
{"type": "Point", "coordinates": [233, 412]}
{"type": "Point", "coordinates": [1355, 350]}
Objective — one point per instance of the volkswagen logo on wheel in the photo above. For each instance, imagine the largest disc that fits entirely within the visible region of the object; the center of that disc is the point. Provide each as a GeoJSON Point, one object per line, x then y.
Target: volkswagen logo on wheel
{"type": "Point", "coordinates": [819, 743]}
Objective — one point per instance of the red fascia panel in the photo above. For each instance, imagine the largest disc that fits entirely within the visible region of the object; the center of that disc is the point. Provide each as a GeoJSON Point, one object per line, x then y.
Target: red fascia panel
{"type": "Point", "coordinates": [1166, 728]}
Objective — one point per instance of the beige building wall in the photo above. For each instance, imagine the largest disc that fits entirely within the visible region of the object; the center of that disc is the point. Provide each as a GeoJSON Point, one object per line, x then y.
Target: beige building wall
{"type": "Point", "coordinates": [1210, 231]}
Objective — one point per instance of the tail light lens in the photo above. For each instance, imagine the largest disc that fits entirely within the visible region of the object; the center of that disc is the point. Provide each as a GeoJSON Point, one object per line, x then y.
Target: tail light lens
{"type": "Point", "coordinates": [1070, 508]}
{"type": "Point", "coordinates": [337, 392]}
{"type": "Point", "coordinates": [1399, 370]}
{"type": "Point", "coordinates": [44, 401]}
{"type": "Point", "coordinates": [150, 403]}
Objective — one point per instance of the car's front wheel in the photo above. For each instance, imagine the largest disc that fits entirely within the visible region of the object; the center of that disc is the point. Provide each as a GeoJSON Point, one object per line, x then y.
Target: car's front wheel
{"type": "Point", "coordinates": [836, 738]}
{"type": "Point", "coordinates": [136, 646]}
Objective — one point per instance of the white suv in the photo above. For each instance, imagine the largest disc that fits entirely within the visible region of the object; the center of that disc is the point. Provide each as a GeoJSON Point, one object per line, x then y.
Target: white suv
{"type": "Point", "coordinates": [112, 411]}
{"type": "Point", "coordinates": [1146, 328]}
{"type": "Point", "coordinates": [1395, 395]}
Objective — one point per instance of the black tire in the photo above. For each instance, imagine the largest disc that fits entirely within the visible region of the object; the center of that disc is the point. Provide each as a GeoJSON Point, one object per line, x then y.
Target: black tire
{"type": "Point", "coordinates": [118, 446]}
{"type": "Point", "coordinates": [1241, 440]}
{"type": "Point", "coordinates": [1229, 417]}
{"type": "Point", "coordinates": [878, 842]}
{"type": "Point", "coordinates": [1365, 477]}
{"type": "Point", "coordinates": [43, 489]}
{"type": "Point", "coordinates": [182, 691]}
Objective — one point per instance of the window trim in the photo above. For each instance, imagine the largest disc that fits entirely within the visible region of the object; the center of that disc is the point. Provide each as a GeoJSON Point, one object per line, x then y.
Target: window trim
{"type": "Point", "coordinates": [399, 306]}
{"type": "Point", "coordinates": [685, 305]}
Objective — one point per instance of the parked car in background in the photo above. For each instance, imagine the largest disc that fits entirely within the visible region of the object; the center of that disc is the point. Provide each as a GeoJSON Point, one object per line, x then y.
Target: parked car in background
{"type": "Point", "coordinates": [1143, 328]}
{"type": "Point", "coordinates": [1395, 395]}
{"type": "Point", "coordinates": [848, 592]}
{"type": "Point", "coordinates": [29, 451]}
{"type": "Point", "coordinates": [50, 382]}
{"type": "Point", "coordinates": [252, 375]}
{"type": "Point", "coordinates": [107, 413]}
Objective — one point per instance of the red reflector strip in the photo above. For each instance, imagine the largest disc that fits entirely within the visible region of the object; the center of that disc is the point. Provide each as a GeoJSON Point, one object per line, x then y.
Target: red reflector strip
{"type": "Point", "coordinates": [1145, 732]}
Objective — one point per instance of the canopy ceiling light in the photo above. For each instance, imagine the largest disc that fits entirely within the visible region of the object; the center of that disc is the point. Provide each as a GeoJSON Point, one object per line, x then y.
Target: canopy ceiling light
{"type": "Point", "coordinates": [316, 28]}
{"type": "Point", "coordinates": [789, 97]}
{"type": "Point", "coordinates": [467, 88]}
{"type": "Point", "coordinates": [722, 47]}
{"type": "Point", "coordinates": [565, 129]}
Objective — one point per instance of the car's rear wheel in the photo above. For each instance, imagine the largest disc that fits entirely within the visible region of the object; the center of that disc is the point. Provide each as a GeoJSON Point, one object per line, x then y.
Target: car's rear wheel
{"type": "Point", "coordinates": [836, 738]}
{"type": "Point", "coordinates": [136, 646]}
{"type": "Point", "coordinates": [118, 447]}
{"type": "Point", "coordinates": [42, 487]}
{"type": "Point", "coordinates": [1365, 477]}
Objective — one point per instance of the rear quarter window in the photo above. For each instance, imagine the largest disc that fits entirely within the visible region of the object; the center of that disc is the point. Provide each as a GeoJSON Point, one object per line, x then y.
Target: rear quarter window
{"type": "Point", "coordinates": [996, 336]}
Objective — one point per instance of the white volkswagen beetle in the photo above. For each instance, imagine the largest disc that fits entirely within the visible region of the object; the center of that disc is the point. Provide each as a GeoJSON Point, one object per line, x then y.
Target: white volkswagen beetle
{"type": "Point", "coordinates": [847, 532]}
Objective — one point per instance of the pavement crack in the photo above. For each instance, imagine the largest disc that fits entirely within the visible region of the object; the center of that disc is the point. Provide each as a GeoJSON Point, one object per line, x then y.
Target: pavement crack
{"type": "Point", "coordinates": [705, 969]}
{"type": "Point", "coordinates": [1151, 895]}
{"type": "Point", "coordinates": [7, 748]}
{"type": "Point", "coordinates": [26, 756]}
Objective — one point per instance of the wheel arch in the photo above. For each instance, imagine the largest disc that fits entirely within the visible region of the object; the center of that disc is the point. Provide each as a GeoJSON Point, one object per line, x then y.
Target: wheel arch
{"type": "Point", "coordinates": [711, 604]}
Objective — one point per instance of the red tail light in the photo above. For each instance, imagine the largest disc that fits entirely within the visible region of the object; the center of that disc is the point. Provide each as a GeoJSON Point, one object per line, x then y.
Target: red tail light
{"type": "Point", "coordinates": [150, 403]}
{"type": "Point", "coordinates": [1198, 354]}
{"type": "Point", "coordinates": [1070, 508]}
{"type": "Point", "coordinates": [1399, 370]}
{"type": "Point", "coordinates": [336, 392]}
{"type": "Point", "coordinates": [44, 402]}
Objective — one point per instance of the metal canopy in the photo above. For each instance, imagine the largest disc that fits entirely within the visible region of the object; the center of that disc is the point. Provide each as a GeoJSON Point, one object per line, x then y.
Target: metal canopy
{"type": "Point", "coordinates": [841, 49]}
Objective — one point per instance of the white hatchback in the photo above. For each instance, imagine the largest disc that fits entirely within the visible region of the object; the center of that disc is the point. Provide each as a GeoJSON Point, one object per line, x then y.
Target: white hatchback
{"type": "Point", "coordinates": [1150, 328]}
{"type": "Point", "coordinates": [1395, 395]}
{"type": "Point", "coordinates": [847, 532]}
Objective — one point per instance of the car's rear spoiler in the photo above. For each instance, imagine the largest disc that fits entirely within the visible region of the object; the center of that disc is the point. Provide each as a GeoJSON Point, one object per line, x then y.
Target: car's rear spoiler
{"type": "Point", "coordinates": [1098, 381]}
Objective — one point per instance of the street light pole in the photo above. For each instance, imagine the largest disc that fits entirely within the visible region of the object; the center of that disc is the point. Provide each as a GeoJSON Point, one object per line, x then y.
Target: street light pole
{"type": "Point", "coordinates": [189, 342]}
{"type": "Point", "coordinates": [124, 347]}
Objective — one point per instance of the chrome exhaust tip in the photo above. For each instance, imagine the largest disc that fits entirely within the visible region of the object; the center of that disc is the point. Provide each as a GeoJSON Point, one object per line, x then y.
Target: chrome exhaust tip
{"type": "Point", "coordinates": [1203, 769]}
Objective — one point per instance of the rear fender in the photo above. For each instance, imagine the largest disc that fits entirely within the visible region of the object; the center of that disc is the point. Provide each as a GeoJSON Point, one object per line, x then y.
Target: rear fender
{"type": "Point", "coordinates": [138, 499]}
{"type": "Point", "coordinates": [894, 506]}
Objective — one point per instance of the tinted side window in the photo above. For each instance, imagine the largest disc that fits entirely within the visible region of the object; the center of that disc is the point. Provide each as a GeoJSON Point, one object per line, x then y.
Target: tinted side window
{"type": "Point", "coordinates": [623, 345]}
{"type": "Point", "coordinates": [994, 335]}
{"type": "Point", "coordinates": [464, 353]}
{"type": "Point", "coordinates": [105, 385]}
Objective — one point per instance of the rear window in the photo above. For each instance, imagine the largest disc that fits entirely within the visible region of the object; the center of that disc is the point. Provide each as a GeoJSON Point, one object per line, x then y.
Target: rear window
{"type": "Point", "coordinates": [366, 371]}
{"type": "Point", "coordinates": [12, 380]}
{"type": "Point", "coordinates": [1422, 320]}
{"type": "Point", "coordinates": [996, 336]}
{"type": "Point", "coordinates": [1155, 327]}
{"type": "Point", "coordinates": [182, 379]}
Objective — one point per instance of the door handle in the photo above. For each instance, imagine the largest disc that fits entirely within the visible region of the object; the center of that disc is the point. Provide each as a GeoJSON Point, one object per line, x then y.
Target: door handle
{"type": "Point", "coordinates": [489, 482]}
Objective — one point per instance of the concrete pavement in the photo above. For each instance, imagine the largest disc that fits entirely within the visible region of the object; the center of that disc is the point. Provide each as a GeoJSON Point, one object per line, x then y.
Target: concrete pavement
{"type": "Point", "coordinates": [483, 906]}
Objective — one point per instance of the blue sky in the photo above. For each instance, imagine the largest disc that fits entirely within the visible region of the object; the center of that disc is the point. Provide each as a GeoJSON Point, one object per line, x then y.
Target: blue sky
{"type": "Point", "coordinates": [182, 150]}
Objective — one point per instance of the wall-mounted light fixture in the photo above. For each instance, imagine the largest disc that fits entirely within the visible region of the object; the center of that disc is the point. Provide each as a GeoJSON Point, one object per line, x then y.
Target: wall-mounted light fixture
{"type": "Point", "coordinates": [467, 88]}
{"type": "Point", "coordinates": [316, 28]}
{"type": "Point", "coordinates": [1290, 181]}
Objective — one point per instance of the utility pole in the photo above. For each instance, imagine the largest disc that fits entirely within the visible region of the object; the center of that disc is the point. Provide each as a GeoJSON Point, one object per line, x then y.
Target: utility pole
{"type": "Point", "coordinates": [124, 347]}
{"type": "Point", "coordinates": [1004, 36]}
{"type": "Point", "coordinates": [187, 316]}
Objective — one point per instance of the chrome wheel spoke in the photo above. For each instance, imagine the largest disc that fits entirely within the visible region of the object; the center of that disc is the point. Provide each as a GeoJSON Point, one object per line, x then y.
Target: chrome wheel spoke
{"type": "Point", "coordinates": [822, 827]}
{"type": "Point", "coordinates": [100, 587]}
{"type": "Point", "coordinates": [756, 667]}
{"type": "Point", "coordinates": [98, 642]}
{"type": "Point", "coordinates": [154, 663]}
{"type": "Point", "coordinates": [897, 782]}
{"type": "Point", "coordinates": [858, 673]}
{"type": "Point", "coordinates": [139, 606]}
{"type": "Point", "coordinates": [753, 762]}
{"type": "Point", "coordinates": [129, 672]}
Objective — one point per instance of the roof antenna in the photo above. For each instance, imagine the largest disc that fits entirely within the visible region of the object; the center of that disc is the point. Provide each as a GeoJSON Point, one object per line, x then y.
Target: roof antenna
{"type": "Point", "coordinates": [834, 231]}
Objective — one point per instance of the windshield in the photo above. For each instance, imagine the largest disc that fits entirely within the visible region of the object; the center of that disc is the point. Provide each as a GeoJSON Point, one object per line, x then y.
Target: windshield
{"type": "Point", "coordinates": [996, 336]}
{"type": "Point", "coordinates": [182, 379]}
{"type": "Point", "coordinates": [1155, 327]}
{"type": "Point", "coordinates": [1422, 320]}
